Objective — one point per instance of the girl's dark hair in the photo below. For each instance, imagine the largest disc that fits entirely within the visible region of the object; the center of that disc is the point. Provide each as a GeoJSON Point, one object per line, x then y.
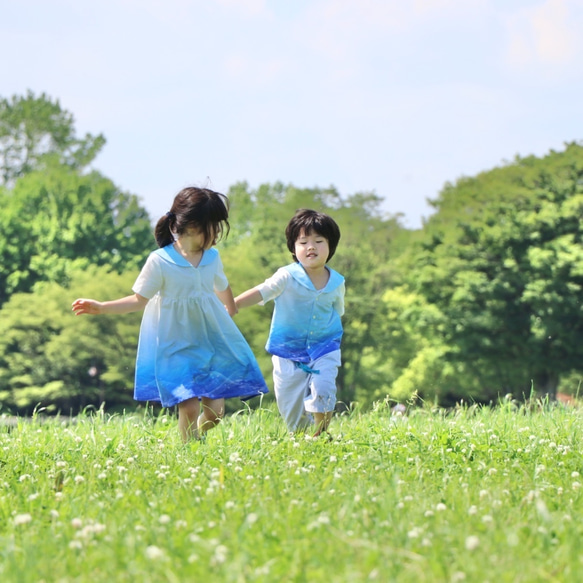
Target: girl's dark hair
{"type": "Point", "coordinates": [200, 208]}
{"type": "Point", "coordinates": [308, 221]}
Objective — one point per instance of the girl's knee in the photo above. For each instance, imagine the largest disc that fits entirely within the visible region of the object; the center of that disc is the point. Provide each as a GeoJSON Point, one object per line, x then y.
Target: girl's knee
{"type": "Point", "coordinates": [189, 407]}
{"type": "Point", "coordinates": [213, 411]}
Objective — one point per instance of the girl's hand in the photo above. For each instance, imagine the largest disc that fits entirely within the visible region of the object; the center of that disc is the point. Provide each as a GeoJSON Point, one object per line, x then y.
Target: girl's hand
{"type": "Point", "coordinates": [82, 306]}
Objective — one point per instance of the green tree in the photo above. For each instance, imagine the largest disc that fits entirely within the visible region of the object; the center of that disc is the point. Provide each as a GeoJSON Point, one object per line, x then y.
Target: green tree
{"type": "Point", "coordinates": [508, 278]}
{"type": "Point", "coordinates": [34, 130]}
{"type": "Point", "coordinates": [51, 358]}
{"type": "Point", "coordinates": [59, 220]}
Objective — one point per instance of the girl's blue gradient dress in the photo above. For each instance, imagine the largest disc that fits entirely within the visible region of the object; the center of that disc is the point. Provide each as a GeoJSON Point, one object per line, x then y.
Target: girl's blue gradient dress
{"type": "Point", "coordinates": [189, 346]}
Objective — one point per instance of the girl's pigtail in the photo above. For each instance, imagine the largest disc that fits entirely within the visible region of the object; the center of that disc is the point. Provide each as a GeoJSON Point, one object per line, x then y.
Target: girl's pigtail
{"type": "Point", "coordinates": [163, 232]}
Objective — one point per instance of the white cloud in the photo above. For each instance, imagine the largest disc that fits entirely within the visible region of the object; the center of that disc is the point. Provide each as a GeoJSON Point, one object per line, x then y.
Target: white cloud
{"type": "Point", "coordinates": [546, 34]}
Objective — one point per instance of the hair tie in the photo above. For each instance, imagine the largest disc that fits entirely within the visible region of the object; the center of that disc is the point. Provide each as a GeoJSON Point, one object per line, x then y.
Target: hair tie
{"type": "Point", "coordinates": [170, 215]}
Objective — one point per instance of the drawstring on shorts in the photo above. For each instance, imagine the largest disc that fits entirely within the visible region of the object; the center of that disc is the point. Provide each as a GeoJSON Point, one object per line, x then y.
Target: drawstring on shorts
{"type": "Point", "coordinates": [306, 368]}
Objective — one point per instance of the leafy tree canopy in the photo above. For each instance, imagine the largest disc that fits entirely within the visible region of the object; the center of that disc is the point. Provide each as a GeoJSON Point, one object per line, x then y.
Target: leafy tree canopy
{"type": "Point", "coordinates": [34, 130]}
{"type": "Point", "coordinates": [58, 220]}
{"type": "Point", "coordinates": [507, 275]}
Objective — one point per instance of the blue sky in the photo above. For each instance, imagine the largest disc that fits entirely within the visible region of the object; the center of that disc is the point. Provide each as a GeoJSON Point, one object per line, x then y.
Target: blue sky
{"type": "Point", "coordinates": [391, 96]}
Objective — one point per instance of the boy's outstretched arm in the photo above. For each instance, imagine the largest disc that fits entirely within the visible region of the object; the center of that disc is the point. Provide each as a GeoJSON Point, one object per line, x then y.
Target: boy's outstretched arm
{"type": "Point", "coordinates": [248, 298]}
{"type": "Point", "coordinates": [132, 303]}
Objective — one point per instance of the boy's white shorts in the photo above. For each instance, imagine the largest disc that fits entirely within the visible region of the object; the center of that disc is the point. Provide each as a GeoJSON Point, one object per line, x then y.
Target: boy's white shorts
{"type": "Point", "coordinates": [298, 391]}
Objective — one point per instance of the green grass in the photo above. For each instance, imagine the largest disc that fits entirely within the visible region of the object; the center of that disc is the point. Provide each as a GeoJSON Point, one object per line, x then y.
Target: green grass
{"type": "Point", "coordinates": [474, 495]}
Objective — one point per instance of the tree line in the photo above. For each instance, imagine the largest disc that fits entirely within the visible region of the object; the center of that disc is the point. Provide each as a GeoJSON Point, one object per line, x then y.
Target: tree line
{"type": "Point", "coordinates": [483, 300]}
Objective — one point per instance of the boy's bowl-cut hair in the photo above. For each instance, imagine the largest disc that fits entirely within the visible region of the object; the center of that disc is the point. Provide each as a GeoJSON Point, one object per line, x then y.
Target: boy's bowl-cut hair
{"type": "Point", "coordinates": [309, 221]}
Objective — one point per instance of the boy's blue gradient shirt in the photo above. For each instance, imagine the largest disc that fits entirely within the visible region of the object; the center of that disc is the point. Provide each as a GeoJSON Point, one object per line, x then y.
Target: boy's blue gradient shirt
{"type": "Point", "coordinates": [306, 321]}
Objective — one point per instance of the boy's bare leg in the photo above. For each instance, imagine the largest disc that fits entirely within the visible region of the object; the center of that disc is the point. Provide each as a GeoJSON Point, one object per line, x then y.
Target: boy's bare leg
{"type": "Point", "coordinates": [322, 422]}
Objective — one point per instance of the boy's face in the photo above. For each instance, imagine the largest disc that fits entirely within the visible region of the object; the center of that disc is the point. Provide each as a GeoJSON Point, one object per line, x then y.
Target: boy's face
{"type": "Point", "coordinates": [312, 250]}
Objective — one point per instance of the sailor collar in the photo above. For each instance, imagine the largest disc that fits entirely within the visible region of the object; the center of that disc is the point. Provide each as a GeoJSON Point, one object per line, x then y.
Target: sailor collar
{"type": "Point", "coordinates": [299, 274]}
{"type": "Point", "coordinates": [170, 255]}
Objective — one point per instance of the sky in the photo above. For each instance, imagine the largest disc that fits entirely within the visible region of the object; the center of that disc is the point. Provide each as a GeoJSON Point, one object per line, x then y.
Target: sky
{"type": "Point", "coordinates": [393, 97]}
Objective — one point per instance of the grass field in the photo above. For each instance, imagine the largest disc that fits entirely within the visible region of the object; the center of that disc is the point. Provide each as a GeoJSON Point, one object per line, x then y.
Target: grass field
{"type": "Point", "coordinates": [488, 495]}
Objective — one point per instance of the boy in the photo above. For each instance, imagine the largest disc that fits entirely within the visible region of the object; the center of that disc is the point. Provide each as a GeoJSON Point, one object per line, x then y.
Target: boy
{"type": "Point", "coordinates": [306, 329]}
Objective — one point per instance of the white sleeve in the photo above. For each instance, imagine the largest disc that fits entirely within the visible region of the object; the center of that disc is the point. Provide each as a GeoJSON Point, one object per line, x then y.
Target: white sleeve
{"type": "Point", "coordinates": [339, 301]}
{"type": "Point", "coordinates": [149, 281]}
{"type": "Point", "coordinates": [221, 283]}
{"type": "Point", "coordinates": [273, 286]}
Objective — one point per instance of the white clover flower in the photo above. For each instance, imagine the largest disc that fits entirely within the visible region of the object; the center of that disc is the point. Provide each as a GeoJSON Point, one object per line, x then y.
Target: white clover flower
{"type": "Point", "coordinates": [429, 513]}
{"type": "Point", "coordinates": [324, 519]}
{"type": "Point", "coordinates": [33, 496]}
{"type": "Point", "coordinates": [252, 518]}
{"type": "Point", "coordinates": [164, 519]}
{"type": "Point", "coordinates": [61, 464]}
{"type": "Point", "coordinates": [75, 544]}
{"type": "Point", "coordinates": [76, 523]}
{"type": "Point", "coordinates": [472, 543]}
{"type": "Point", "coordinates": [153, 552]}
{"type": "Point", "coordinates": [441, 507]}
{"type": "Point", "coordinates": [415, 532]}
{"type": "Point", "coordinates": [79, 479]}
{"type": "Point", "coordinates": [229, 504]}
{"type": "Point", "coordinates": [472, 510]}
{"type": "Point", "coordinates": [574, 474]}
{"type": "Point", "coordinates": [21, 519]}
{"type": "Point", "coordinates": [487, 519]}
{"type": "Point", "coordinates": [576, 485]}
{"type": "Point", "coordinates": [220, 555]}
{"type": "Point", "coordinates": [24, 477]}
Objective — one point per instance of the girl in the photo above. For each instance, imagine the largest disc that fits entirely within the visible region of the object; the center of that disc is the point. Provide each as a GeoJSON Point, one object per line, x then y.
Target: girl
{"type": "Point", "coordinates": [306, 328]}
{"type": "Point", "coordinates": [190, 351]}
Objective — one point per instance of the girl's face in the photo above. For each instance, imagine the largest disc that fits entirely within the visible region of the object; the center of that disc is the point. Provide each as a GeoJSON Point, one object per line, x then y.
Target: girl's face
{"type": "Point", "coordinates": [312, 250]}
{"type": "Point", "coordinates": [194, 239]}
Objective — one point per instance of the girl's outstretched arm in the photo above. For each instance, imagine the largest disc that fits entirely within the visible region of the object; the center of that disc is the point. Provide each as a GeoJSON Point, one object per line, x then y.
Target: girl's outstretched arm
{"type": "Point", "coordinates": [248, 298]}
{"type": "Point", "coordinates": [226, 297]}
{"type": "Point", "coordinates": [132, 303]}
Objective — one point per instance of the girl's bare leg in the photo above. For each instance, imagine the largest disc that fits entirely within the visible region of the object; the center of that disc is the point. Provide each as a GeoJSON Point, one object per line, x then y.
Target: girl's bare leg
{"type": "Point", "coordinates": [212, 413]}
{"type": "Point", "coordinates": [188, 412]}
